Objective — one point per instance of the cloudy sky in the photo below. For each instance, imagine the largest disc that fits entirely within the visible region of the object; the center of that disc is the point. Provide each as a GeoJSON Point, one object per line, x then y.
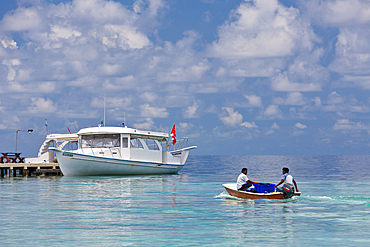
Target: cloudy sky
{"type": "Point", "coordinates": [235, 76]}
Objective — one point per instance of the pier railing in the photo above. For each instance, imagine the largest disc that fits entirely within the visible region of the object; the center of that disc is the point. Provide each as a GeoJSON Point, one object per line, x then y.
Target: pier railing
{"type": "Point", "coordinates": [12, 158]}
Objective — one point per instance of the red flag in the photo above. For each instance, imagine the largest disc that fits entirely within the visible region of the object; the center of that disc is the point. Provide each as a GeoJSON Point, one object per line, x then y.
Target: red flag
{"type": "Point", "coordinates": [173, 135]}
{"type": "Point", "coordinates": [69, 130]}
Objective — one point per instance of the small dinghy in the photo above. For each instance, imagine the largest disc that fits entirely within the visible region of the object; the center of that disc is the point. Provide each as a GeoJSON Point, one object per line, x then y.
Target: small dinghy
{"type": "Point", "coordinates": [261, 191]}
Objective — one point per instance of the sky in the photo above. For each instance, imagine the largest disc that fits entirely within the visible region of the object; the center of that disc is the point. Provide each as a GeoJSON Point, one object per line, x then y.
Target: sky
{"type": "Point", "coordinates": [238, 77]}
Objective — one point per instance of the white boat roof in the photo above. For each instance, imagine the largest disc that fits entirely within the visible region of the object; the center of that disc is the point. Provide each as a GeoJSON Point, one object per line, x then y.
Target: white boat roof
{"type": "Point", "coordinates": [109, 130]}
{"type": "Point", "coordinates": [124, 130]}
{"type": "Point", "coordinates": [62, 137]}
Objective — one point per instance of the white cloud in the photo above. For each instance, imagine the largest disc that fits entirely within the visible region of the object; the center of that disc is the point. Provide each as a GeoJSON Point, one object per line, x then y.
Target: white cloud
{"type": "Point", "coordinates": [111, 69]}
{"type": "Point", "coordinates": [185, 127]}
{"type": "Point", "coordinates": [352, 48]}
{"type": "Point", "coordinates": [11, 44]}
{"type": "Point", "coordinates": [249, 125]}
{"type": "Point", "coordinates": [297, 132]}
{"type": "Point", "coordinates": [180, 62]}
{"type": "Point", "coordinates": [153, 8]}
{"type": "Point", "coordinates": [339, 12]}
{"type": "Point", "coordinates": [80, 22]}
{"type": "Point", "coordinates": [63, 45]}
{"type": "Point", "coordinates": [300, 126]}
{"type": "Point", "coordinates": [12, 62]}
{"type": "Point", "coordinates": [112, 102]}
{"type": "Point", "coordinates": [233, 117]}
{"type": "Point", "coordinates": [335, 102]}
{"type": "Point", "coordinates": [281, 82]}
{"type": "Point", "coordinates": [10, 122]}
{"type": "Point", "coordinates": [146, 125]}
{"type": "Point", "coordinates": [153, 112]}
{"type": "Point", "coordinates": [346, 124]}
{"type": "Point", "coordinates": [119, 83]}
{"type": "Point", "coordinates": [221, 85]}
{"type": "Point", "coordinates": [304, 73]}
{"type": "Point", "coordinates": [73, 126]}
{"type": "Point", "coordinates": [251, 67]}
{"type": "Point", "coordinates": [317, 101]}
{"type": "Point", "coordinates": [100, 11]}
{"type": "Point", "coordinates": [126, 37]}
{"type": "Point", "coordinates": [59, 32]}
{"type": "Point", "coordinates": [41, 106]}
{"type": "Point", "coordinates": [11, 68]}
{"type": "Point", "coordinates": [149, 97]}
{"type": "Point", "coordinates": [46, 87]}
{"type": "Point", "coordinates": [270, 132]}
{"type": "Point", "coordinates": [22, 19]}
{"type": "Point", "coordinates": [179, 74]}
{"type": "Point", "coordinates": [352, 53]}
{"type": "Point", "coordinates": [191, 111]}
{"type": "Point", "coordinates": [335, 98]}
{"type": "Point", "coordinates": [262, 29]}
{"type": "Point", "coordinates": [275, 126]}
{"type": "Point", "coordinates": [294, 98]}
{"type": "Point", "coordinates": [110, 42]}
{"type": "Point", "coordinates": [254, 100]}
{"type": "Point", "coordinates": [272, 111]}
{"type": "Point", "coordinates": [359, 108]}
{"type": "Point", "coordinates": [361, 81]}
{"type": "Point", "coordinates": [207, 16]}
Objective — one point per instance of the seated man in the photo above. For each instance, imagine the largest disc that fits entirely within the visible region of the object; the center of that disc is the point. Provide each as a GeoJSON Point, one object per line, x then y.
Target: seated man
{"type": "Point", "coordinates": [243, 182]}
{"type": "Point", "coordinates": [287, 180]}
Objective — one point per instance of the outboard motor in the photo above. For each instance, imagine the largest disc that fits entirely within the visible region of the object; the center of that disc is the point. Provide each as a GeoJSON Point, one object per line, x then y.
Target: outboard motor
{"type": "Point", "coordinates": [288, 191]}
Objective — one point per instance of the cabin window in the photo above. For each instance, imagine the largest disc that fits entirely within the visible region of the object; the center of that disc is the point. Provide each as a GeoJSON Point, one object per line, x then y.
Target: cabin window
{"type": "Point", "coordinates": [135, 143]}
{"type": "Point", "coordinates": [124, 142]}
{"type": "Point", "coordinates": [100, 141]}
{"type": "Point", "coordinates": [152, 145]}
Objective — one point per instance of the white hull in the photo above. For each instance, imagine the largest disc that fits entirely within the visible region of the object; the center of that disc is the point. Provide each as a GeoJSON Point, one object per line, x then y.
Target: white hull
{"type": "Point", "coordinates": [73, 164]}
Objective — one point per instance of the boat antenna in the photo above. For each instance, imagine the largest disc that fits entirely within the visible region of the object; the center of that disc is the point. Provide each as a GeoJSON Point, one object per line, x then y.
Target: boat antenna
{"type": "Point", "coordinates": [104, 111]}
{"type": "Point", "coordinates": [46, 131]}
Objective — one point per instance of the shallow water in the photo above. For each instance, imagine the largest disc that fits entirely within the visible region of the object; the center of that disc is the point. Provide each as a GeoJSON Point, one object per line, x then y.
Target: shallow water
{"type": "Point", "coordinates": [192, 208]}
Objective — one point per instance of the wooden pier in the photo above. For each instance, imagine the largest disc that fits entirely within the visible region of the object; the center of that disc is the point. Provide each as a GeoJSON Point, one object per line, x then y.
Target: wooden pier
{"type": "Point", "coordinates": [28, 169]}
{"type": "Point", "coordinates": [12, 164]}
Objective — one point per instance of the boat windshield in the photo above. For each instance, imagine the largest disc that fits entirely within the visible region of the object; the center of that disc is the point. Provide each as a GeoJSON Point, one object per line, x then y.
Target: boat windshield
{"type": "Point", "coordinates": [152, 145]}
{"type": "Point", "coordinates": [135, 143]}
{"type": "Point", "coordinates": [99, 141]}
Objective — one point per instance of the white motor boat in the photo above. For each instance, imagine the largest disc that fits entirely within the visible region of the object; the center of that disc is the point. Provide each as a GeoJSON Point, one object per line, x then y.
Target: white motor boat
{"type": "Point", "coordinates": [119, 151]}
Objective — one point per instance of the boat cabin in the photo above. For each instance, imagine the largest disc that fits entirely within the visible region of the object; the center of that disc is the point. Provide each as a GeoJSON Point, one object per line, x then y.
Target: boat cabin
{"type": "Point", "coordinates": [126, 144]}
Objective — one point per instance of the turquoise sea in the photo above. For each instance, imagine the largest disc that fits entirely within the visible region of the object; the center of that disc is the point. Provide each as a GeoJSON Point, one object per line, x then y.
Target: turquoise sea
{"type": "Point", "coordinates": [192, 208]}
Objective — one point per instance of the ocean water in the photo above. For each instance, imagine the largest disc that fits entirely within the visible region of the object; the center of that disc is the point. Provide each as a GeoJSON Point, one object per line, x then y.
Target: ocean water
{"type": "Point", "coordinates": [192, 208]}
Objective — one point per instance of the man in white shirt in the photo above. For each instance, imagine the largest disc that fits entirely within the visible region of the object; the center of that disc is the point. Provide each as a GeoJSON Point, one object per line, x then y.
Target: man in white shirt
{"type": "Point", "coordinates": [287, 180]}
{"type": "Point", "coordinates": [243, 182]}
